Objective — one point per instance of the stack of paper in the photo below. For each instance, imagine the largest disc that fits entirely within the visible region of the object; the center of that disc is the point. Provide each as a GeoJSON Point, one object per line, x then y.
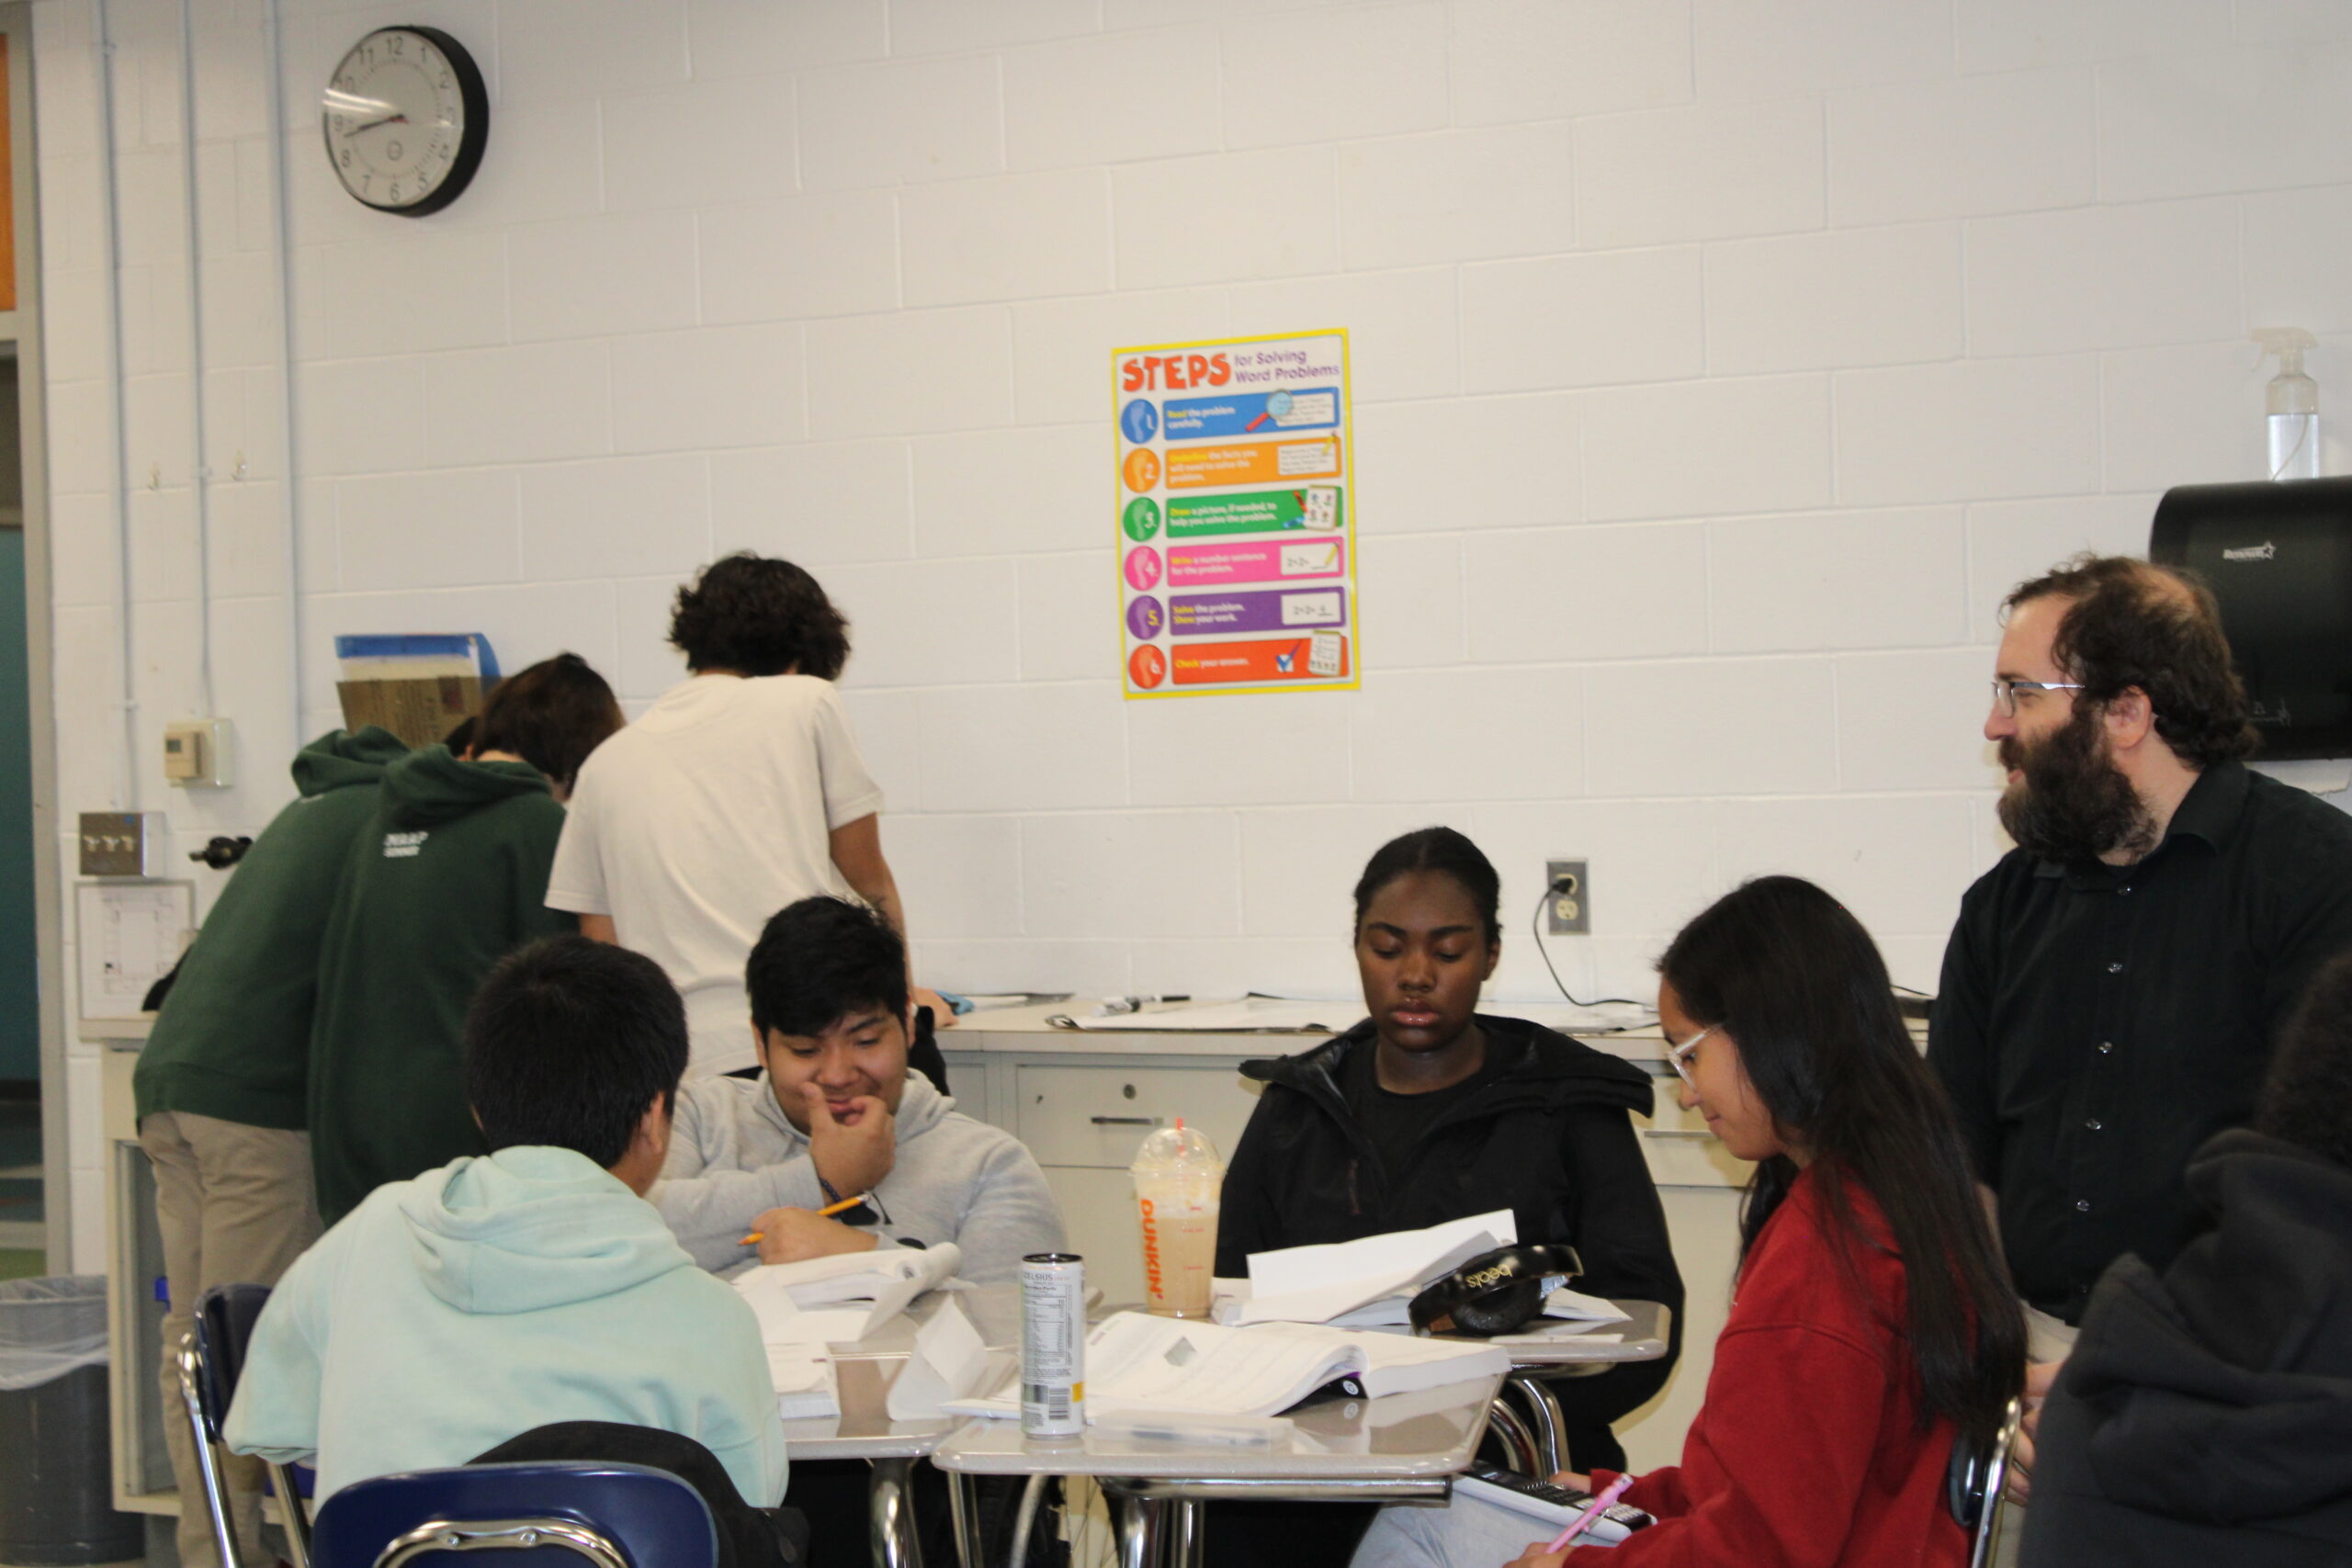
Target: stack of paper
{"type": "Point", "coordinates": [800, 1369]}
{"type": "Point", "coordinates": [804, 1307]}
{"type": "Point", "coordinates": [1163, 1367]}
{"type": "Point", "coordinates": [1366, 1283]}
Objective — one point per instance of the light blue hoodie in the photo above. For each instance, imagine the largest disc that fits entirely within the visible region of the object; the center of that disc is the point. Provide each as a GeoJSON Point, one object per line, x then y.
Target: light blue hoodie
{"type": "Point", "coordinates": [449, 1312]}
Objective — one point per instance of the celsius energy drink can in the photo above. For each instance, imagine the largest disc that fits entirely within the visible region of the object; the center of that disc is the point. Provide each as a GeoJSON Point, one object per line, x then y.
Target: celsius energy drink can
{"type": "Point", "coordinates": [1053, 1345]}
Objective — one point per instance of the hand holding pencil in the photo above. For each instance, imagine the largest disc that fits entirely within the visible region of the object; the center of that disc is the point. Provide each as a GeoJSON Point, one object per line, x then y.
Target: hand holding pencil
{"type": "Point", "coordinates": [827, 1213]}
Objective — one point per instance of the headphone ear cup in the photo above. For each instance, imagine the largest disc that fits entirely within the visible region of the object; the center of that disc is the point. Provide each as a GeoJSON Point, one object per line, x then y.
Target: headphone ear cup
{"type": "Point", "coordinates": [1503, 1310]}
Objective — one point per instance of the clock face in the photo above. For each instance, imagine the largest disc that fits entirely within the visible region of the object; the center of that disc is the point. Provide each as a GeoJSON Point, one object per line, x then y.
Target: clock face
{"type": "Point", "coordinates": [405, 118]}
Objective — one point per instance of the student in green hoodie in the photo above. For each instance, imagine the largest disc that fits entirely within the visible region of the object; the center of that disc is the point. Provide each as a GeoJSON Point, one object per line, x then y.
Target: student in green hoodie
{"type": "Point", "coordinates": [447, 877]}
{"type": "Point", "coordinates": [220, 1084]}
{"type": "Point", "coordinates": [522, 1292]}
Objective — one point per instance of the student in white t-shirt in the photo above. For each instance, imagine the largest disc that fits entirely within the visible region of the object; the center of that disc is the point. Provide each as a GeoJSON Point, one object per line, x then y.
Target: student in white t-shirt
{"type": "Point", "coordinates": [739, 791]}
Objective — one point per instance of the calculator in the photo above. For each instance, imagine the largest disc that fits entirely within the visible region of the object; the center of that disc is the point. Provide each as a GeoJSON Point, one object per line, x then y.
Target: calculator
{"type": "Point", "coordinates": [1549, 1505]}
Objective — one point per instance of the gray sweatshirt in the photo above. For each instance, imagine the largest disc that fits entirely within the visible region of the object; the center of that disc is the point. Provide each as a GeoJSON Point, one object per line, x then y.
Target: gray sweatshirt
{"type": "Point", "coordinates": [733, 1156]}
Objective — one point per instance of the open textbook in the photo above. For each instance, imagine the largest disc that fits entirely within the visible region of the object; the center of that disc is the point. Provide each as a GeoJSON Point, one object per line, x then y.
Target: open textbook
{"type": "Point", "coordinates": [1364, 1283]}
{"type": "Point", "coordinates": [880, 1283]}
{"type": "Point", "coordinates": [1135, 1362]}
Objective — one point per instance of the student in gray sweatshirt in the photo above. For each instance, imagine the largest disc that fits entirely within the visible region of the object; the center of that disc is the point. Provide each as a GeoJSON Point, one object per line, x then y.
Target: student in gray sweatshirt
{"type": "Point", "coordinates": [834, 1114]}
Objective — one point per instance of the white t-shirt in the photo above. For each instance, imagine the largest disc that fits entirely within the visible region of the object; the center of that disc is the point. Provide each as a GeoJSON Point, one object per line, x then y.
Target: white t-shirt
{"type": "Point", "coordinates": [694, 825]}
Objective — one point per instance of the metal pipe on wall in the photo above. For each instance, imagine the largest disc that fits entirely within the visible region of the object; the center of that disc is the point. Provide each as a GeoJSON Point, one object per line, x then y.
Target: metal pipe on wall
{"type": "Point", "coordinates": [289, 504]}
{"type": "Point", "coordinates": [126, 795]}
{"type": "Point", "coordinates": [200, 471]}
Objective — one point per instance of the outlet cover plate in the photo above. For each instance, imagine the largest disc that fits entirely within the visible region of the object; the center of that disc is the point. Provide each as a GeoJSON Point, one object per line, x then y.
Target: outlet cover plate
{"type": "Point", "coordinates": [1568, 913]}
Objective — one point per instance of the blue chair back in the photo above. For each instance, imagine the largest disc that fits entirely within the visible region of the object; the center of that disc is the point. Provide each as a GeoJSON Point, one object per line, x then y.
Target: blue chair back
{"type": "Point", "coordinates": [537, 1515]}
{"type": "Point", "coordinates": [225, 1317]}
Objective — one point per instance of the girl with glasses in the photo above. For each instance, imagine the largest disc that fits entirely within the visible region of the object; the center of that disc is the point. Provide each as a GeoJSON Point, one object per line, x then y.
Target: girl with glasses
{"type": "Point", "coordinates": [1872, 1322]}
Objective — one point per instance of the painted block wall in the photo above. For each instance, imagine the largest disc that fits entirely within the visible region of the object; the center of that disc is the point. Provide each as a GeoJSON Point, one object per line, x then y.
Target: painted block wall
{"type": "Point", "coordinates": [1718, 365]}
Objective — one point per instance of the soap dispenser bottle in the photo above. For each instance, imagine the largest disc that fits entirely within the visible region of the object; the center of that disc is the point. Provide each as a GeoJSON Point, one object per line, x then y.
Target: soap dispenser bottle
{"type": "Point", "coordinates": [2292, 401]}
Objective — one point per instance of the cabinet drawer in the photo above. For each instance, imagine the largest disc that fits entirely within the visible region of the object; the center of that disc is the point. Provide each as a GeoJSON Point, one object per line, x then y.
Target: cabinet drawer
{"type": "Point", "coordinates": [1681, 1151]}
{"type": "Point", "coordinates": [1097, 1116]}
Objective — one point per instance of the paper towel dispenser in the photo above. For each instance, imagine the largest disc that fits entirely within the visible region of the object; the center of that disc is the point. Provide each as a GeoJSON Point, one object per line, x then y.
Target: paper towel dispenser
{"type": "Point", "coordinates": [2278, 558]}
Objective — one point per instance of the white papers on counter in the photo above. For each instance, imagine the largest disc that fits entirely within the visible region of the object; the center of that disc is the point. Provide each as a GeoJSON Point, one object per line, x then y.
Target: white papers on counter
{"type": "Point", "coordinates": [950, 1360]}
{"type": "Point", "coordinates": [1172, 1369]}
{"type": "Point", "coordinates": [1248, 1015]}
{"type": "Point", "coordinates": [1368, 1283]}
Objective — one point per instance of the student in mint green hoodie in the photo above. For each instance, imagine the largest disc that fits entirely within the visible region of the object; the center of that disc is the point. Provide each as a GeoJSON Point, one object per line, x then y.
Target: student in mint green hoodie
{"type": "Point", "coordinates": [447, 877]}
{"type": "Point", "coordinates": [219, 1084]}
{"type": "Point", "coordinates": [500, 1295]}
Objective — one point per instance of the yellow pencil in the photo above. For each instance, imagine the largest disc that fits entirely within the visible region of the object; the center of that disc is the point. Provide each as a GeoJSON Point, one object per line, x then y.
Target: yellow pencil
{"type": "Point", "coordinates": [826, 1213]}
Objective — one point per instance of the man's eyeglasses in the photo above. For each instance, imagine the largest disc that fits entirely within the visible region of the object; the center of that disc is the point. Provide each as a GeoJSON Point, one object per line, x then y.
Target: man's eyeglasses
{"type": "Point", "coordinates": [2004, 692]}
{"type": "Point", "coordinates": [1678, 1056]}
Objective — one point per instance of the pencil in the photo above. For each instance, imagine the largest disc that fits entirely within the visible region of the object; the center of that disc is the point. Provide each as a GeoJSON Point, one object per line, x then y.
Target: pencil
{"type": "Point", "coordinates": [1609, 1494]}
{"type": "Point", "coordinates": [827, 1213]}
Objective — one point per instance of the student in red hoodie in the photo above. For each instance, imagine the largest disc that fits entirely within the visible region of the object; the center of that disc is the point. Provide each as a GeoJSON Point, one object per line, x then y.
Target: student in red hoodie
{"type": "Point", "coordinates": [1872, 1321]}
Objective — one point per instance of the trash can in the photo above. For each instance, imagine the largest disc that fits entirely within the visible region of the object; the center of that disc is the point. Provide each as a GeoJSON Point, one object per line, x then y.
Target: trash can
{"type": "Point", "coordinates": [56, 1473]}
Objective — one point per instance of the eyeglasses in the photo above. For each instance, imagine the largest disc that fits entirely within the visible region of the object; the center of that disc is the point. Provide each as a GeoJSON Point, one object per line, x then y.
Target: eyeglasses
{"type": "Point", "coordinates": [1678, 1056]}
{"type": "Point", "coordinates": [2005, 693]}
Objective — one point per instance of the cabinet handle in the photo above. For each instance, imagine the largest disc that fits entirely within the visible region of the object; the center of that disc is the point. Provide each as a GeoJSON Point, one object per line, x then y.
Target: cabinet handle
{"type": "Point", "coordinates": [1126, 1121]}
{"type": "Point", "coordinates": [1674, 1132]}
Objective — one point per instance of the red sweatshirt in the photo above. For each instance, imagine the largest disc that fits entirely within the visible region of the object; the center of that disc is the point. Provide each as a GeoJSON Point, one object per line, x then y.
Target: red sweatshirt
{"type": "Point", "coordinates": [1806, 1452]}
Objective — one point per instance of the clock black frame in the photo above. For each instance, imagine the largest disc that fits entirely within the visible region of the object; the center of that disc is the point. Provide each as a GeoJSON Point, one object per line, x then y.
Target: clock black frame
{"type": "Point", "coordinates": [473, 97]}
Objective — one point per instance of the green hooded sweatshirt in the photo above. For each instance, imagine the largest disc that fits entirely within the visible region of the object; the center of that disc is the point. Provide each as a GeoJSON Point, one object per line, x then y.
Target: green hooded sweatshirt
{"type": "Point", "coordinates": [233, 1040]}
{"type": "Point", "coordinates": [448, 877]}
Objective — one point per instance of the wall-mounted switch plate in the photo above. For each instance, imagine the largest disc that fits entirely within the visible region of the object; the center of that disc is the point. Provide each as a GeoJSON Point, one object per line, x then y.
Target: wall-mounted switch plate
{"type": "Point", "coordinates": [1567, 903]}
{"type": "Point", "coordinates": [122, 843]}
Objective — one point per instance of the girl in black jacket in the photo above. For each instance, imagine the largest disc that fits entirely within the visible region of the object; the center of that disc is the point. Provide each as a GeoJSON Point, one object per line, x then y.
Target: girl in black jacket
{"type": "Point", "coordinates": [1432, 1110]}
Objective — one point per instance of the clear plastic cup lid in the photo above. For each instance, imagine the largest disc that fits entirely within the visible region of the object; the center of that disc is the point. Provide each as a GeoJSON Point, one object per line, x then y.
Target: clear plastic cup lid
{"type": "Point", "coordinates": [1178, 1148]}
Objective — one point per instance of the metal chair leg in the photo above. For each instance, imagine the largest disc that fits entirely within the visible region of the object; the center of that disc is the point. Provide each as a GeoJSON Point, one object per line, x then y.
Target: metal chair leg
{"type": "Point", "coordinates": [208, 1463]}
{"type": "Point", "coordinates": [1188, 1545]}
{"type": "Point", "coordinates": [891, 1514]}
{"type": "Point", "coordinates": [964, 1516]}
{"type": "Point", "coordinates": [296, 1512]}
{"type": "Point", "coordinates": [1140, 1531]}
{"type": "Point", "coordinates": [1513, 1429]}
{"type": "Point", "coordinates": [1550, 1422]}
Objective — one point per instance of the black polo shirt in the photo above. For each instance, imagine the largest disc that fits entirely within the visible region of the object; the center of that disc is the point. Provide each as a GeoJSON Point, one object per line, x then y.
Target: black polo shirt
{"type": "Point", "coordinates": [2097, 1023]}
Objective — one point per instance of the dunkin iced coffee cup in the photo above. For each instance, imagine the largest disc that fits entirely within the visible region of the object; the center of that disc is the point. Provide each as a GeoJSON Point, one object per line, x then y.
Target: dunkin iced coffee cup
{"type": "Point", "coordinates": [1177, 1174]}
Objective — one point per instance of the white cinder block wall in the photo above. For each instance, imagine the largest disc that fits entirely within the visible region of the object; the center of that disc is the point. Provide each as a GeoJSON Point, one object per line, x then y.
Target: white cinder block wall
{"type": "Point", "coordinates": [1718, 365]}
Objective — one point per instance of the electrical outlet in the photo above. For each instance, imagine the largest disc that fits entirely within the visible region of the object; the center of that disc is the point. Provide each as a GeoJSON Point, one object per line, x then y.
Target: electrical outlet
{"type": "Point", "coordinates": [1567, 906]}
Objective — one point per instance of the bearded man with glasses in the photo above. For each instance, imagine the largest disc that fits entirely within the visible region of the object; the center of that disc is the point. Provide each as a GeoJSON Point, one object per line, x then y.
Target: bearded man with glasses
{"type": "Point", "coordinates": [2114, 986]}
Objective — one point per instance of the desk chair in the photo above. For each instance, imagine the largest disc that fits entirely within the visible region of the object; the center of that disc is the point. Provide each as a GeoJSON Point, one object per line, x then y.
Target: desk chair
{"type": "Point", "coordinates": [1973, 1483]}
{"type": "Point", "coordinates": [543, 1514]}
{"type": "Point", "coordinates": [211, 1358]}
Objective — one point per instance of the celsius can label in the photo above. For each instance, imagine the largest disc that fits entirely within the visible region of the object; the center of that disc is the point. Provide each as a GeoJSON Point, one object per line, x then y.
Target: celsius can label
{"type": "Point", "coordinates": [1053, 1345]}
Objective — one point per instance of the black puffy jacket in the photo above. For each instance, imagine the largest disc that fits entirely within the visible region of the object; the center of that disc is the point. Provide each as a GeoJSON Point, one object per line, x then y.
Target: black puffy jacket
{"type": "Point", "coordinates": [2205, 1414]}
{"type": "Point", "coordinates": [1550, 1139]}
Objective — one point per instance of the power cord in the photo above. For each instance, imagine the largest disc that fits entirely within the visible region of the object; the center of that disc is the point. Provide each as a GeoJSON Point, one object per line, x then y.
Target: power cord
{"type": "Point", "coordinates": [1561, 885]}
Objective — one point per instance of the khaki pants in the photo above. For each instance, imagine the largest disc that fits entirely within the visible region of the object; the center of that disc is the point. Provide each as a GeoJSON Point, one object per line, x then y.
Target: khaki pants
{"type": "Point", "coordinates": [2047, 1338]}
{"type": "Point", "coordinates": [235, 1207]}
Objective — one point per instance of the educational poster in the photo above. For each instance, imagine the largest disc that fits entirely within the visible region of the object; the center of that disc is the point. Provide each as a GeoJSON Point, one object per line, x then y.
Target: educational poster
{"type": "Point", "coordinates": [1236, 516]}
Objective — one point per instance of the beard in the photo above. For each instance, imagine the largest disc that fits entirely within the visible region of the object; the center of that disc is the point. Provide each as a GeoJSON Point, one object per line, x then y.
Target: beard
{"type": "Point", "coordinates": [2072, 804]}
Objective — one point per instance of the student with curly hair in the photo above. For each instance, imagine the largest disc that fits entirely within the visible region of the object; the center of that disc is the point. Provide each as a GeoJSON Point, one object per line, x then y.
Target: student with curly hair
{"type": "Point", "coordinates": [739, 791]}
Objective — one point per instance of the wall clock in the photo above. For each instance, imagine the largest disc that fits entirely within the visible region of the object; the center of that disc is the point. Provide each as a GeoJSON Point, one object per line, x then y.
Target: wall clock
{"type": "Point", "coordinates": [405, 117]}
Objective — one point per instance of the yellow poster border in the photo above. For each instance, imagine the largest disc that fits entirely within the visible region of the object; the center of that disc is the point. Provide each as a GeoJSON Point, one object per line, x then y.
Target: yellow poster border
{"type": "Point", "coordinates": [1347, 477]}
